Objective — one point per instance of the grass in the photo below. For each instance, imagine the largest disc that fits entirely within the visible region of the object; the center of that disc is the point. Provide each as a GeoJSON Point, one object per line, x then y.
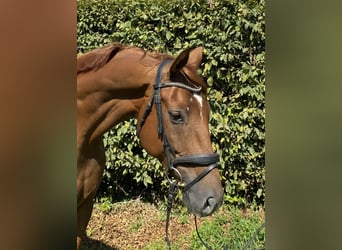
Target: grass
{"type": "Point", "coordinates": [213, 233]}
{"type": "Point", "coordinates": [142, 226]}
{"type": "Point", "coordinates": [136, 225]}
{"type": "Point", "coordinates": [230, 230]}
{"type": "Point", "coordinates": [242, 227]}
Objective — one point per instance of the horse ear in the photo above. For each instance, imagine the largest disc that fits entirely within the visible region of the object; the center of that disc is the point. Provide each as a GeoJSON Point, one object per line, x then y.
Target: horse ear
{"type": "Point", "coordinates": [193, 58]}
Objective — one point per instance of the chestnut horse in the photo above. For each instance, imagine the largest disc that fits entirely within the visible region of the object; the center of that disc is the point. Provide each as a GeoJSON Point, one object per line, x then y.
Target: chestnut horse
{"type": "Point", "coordinates": [168, 98]}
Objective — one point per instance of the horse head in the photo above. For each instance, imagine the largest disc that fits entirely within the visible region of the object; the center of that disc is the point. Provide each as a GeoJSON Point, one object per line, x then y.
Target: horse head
{"type": "Point", "coordinates": [174, 127]}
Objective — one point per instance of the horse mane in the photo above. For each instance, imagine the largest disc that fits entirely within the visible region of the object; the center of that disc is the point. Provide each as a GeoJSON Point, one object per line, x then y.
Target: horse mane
{"type": "Point", "coordinates": [96, 59]}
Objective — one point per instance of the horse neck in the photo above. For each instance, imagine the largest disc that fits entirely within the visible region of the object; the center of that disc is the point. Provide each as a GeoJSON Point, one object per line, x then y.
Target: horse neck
{"type": "Point", "coordinates": [110, 95]}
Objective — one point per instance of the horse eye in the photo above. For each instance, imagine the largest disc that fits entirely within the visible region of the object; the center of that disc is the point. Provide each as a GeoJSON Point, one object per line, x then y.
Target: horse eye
{"type": "Point", "coordinates": [176, 117]}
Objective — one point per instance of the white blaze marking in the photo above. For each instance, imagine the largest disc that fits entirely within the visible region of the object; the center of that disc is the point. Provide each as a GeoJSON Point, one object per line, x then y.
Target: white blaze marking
{"type": "Point", "coordinates": [200, 101]}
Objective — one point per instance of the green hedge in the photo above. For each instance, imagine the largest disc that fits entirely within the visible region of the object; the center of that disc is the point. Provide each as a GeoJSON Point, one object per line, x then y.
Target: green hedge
{"type": "Point", "coordinates": [233, 34]}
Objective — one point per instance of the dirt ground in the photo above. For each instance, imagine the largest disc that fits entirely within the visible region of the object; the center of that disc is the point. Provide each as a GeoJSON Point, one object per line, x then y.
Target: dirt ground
{"type": "Point", "coordinates": [136, 225]}
{"type": "Point", "coordinates": [133, 225]}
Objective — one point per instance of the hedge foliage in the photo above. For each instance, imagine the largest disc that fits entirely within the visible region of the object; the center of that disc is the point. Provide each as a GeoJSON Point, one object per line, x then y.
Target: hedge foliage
{"type": "Point", "coordinates": [233, 34]}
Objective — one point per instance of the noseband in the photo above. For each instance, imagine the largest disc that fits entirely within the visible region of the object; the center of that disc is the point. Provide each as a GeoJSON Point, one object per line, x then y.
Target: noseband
{"type": "Point", "coordinates": [195, 160]}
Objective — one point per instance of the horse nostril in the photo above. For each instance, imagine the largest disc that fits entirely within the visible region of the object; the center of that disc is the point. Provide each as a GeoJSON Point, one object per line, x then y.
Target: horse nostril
{"type": "Point", "coordinates": [211, 201]}
{"type": "Point", "coordinates": [209, 206]}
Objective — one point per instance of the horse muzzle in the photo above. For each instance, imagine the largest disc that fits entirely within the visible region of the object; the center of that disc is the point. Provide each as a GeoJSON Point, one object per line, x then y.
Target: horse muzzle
{"type": "Point", "coordinates": [203, 194]}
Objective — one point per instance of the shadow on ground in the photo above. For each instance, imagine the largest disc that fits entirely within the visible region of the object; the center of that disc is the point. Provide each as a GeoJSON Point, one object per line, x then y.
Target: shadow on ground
{"type": "Point", "coordinates": [92, 244]}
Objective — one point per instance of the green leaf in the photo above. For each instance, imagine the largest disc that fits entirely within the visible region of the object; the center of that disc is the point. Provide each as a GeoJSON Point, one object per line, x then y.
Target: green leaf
{"type": "Point", "coordinates": [168, 35]}
{"type": "Point", "coordinates": [218, 96]}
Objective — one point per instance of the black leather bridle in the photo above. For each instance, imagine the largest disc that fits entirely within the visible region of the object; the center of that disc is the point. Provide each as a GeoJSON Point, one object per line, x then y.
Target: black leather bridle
{"type": "Point", "coordinates": [211, 160]}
